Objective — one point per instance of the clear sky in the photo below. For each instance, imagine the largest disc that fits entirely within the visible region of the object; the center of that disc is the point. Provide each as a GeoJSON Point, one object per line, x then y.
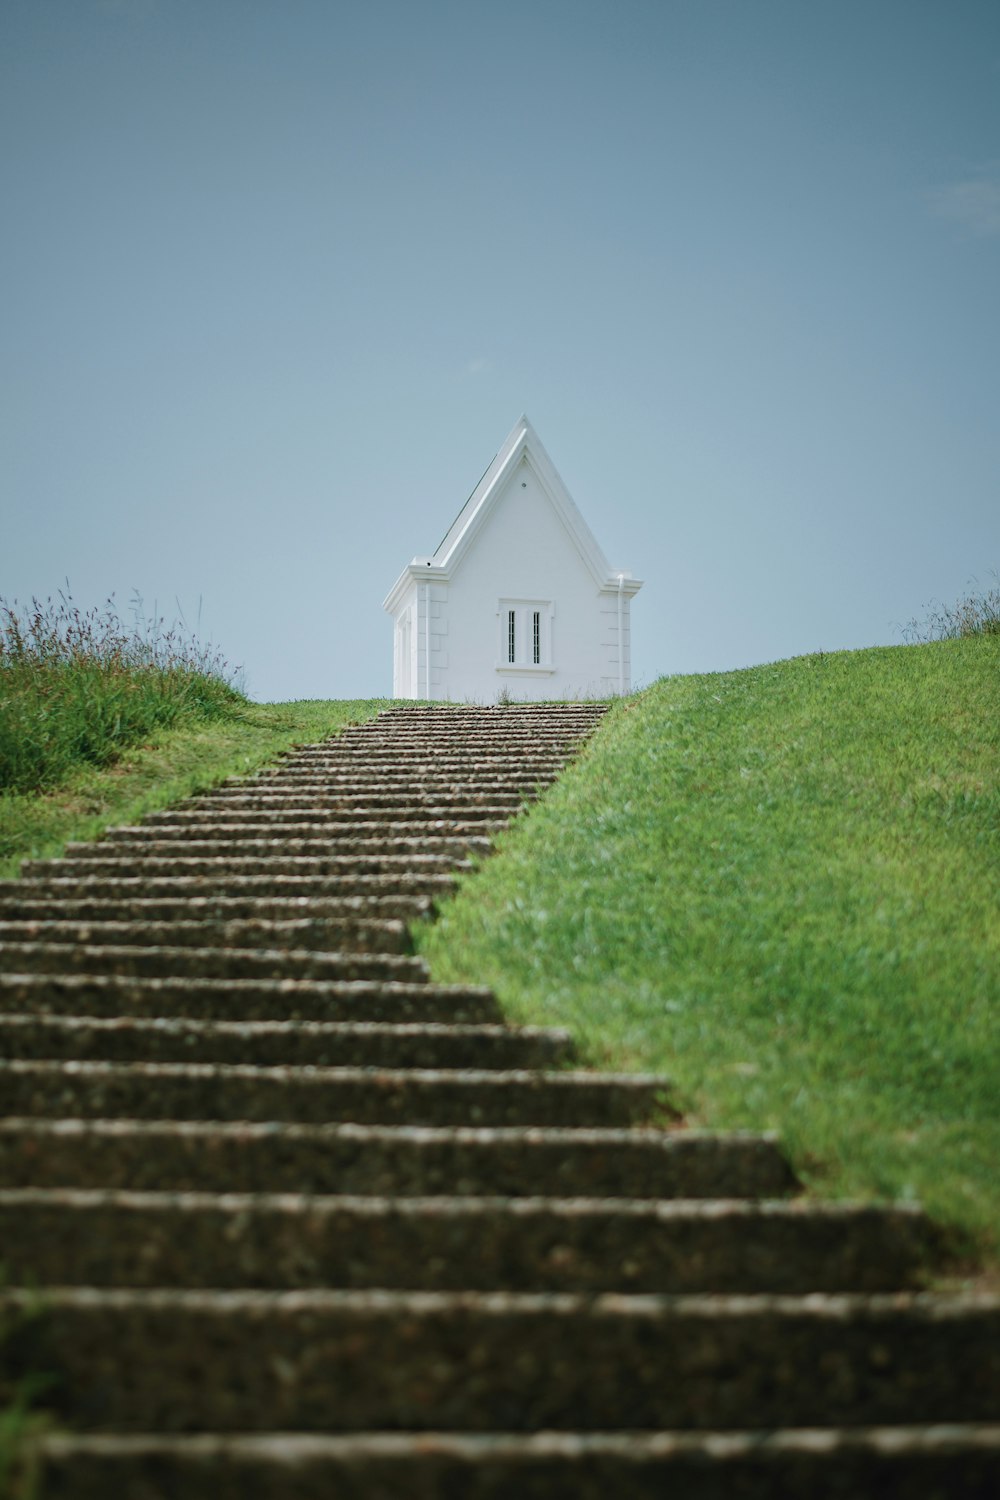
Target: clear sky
{"type": "Point", "coordinates": [278, 277]}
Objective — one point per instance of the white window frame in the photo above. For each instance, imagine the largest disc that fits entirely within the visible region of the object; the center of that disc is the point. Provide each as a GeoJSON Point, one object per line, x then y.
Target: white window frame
{"type": "Point", "coordinates": [523, 615]}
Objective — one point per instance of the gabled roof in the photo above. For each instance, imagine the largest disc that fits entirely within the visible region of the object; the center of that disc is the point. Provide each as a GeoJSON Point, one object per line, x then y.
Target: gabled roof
{"type": "Point", "coordinates": [522, 444]}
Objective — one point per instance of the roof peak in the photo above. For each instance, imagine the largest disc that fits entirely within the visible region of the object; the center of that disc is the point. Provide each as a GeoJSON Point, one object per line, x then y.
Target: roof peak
{"type": "Point", "coordinates": [520, 442]}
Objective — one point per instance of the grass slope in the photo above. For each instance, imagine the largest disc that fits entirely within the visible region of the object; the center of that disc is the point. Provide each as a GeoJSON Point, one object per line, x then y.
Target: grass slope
{"type": "Point", "coordinates": [780, 887]}
{"type": "Point", "coordinates": [177, 762]}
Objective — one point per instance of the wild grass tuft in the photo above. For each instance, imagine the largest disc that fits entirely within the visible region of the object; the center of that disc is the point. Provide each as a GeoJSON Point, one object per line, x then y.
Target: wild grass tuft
{"type": "Point", "coordinates": [77, 687]}
{"type": "Point", "coordinates": [976, 613]}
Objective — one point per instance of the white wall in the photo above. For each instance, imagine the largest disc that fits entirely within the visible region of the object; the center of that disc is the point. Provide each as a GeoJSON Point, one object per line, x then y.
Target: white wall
{"type": "Point", "coordinates": [519, 551]}
{"type": "Point", "coordinates": [522, 551]}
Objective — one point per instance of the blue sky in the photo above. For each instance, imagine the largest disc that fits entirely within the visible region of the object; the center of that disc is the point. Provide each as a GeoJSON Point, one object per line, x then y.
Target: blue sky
{"type": "Point", "coordinates": [278, 278]}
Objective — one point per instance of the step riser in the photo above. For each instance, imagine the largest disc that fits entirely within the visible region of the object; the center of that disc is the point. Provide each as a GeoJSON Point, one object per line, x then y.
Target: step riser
{"type": "Point", "coordinates": [346, 868]}
{"type": "Point", "coordinates": [542, 763]}
{"type": "Point", "coordinates": [347, 810]}
{"type": "Point", "coordinates": [477, 749]}
{"type": "Point", "coordinates": [296, 1045]}
{"type": "Point", "coordinates": [355, 1361]}
{"type": "Point", "coordinates": [847, 1465]}
{"type": "Point", "coordinates": [439, 726]}
{"type": "Point", "coordinates": [161, 1091]}
{"type": "Point", "coordinates": [316, 821]}
{"type": "Point", "coordinates": [246, 1000]}
{"type": "Point", "coordinates": [565, 733]}
{"type": "Point", "coordinates": [413, 772]}
{"type": "Point", "coordinates": [317, 936]}
{"type": "Point", "coordinates": [472, 762]}
{"type": "Point", "coordinates": [207, 963]}
{"type": "Point", "coordinates": [350, 910]}
{"type": "Point", "coordinates": [218, 883]}
{"type": "Point", "coordinates": [340, 790]}
{"type": "Point", "coordinates": [345, 846]}
{"type": "Point", "coordinates": [155, 1240]}
{"type": "Point", "coordinates": [436, 731]}
{"type": "Point", "coordinates": [267, 832]}
{"type": "Point", "coordinates": [408, 1162]}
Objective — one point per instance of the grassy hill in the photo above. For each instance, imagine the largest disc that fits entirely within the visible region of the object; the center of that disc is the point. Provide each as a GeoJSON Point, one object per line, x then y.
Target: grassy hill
{"type": "Point", "coordinates": [781, 886]}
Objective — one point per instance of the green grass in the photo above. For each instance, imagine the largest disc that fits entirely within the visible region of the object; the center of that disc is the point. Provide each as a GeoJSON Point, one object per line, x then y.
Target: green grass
{"type": "Point", "coordinates": [176, 762]}
{"type": "Point", "coordinates": [779, 886]}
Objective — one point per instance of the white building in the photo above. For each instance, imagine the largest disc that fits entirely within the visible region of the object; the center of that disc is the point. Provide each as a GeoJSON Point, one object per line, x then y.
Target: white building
{"type": "Point", "coordinates": [518, 600]}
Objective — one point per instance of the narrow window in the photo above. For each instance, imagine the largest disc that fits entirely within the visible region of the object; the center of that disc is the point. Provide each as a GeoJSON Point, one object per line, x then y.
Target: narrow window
{"type": "Point", "coordinates": [511, 642]}
{"type": "Point", "coordinates": [536, 637]}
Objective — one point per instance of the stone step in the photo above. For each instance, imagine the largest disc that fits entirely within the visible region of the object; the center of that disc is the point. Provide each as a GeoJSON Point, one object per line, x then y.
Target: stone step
{"type": "Point", "coordinates": [339, 804]}
{"type": "Point", "coordinates": [267, 834]}
{"type": "Point", "coordinates": [349, 866]}
{"type": "Point", "coordinates": [525, 752]}
{"type": "Point", "coordinates": [149, 1239]}
{"type": "Point", "coordinates": [389, 1161]}
{"type": "Point", "coordinates": [319, 1360]}
{"type": "Point", "coordinates": [26, 905]}
{"type": "Point", "coordinates": [317, 934]}
{"type": "Point", "coordinates": [405, 716]}
{"type": "Point", "coordinates": [559, 707]}
{"type": "Point", "coordinates": [479, 772]}
{"type": "Point", "coordinates": [481, 769]}
{"type": "Point", "coordinates": [335, 790]}
{"type": "Point", "coordinates": [399, 812]}
{"type": "Point", "coordinates": [556, 742]}
{"type": "Point", "coordinates": [366, 1096]}
{"type": "Point", "coordinates": [437, 722]}
{"type": "Point", "coordinates": [568, 731]}
{"type": "Point", "coordinates": [298, 1044]}
{"type": "Point", "coordinates": [438, 725]}
{"type": "Point", "coordinates": [346, 844]}
{"type": "Point", "coordinates": [564, 731]}
{"type": "Point", "coordinates": [443, 727]}
{"type": "Point", "coordinates": [390, 775]}
{"type": "Point", "coordinates": [416, 767]}
{"type": "Point", "coordinates": [862, 1463]}
{"type": "Point", "coordinates": [220, 885]}
{"type": "Point", "coordinates": [548, 756]}
{"type": "Point", "coordinates": [206, 963]}
{"type": "Point", "coordinates": [111, 995]}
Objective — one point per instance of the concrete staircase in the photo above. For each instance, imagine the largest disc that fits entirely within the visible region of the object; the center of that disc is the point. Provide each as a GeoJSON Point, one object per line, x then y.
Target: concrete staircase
{"type": "Point", "coordinates": [308, 1224]}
